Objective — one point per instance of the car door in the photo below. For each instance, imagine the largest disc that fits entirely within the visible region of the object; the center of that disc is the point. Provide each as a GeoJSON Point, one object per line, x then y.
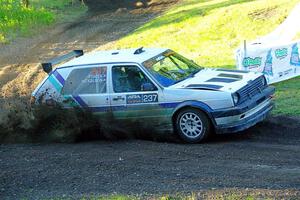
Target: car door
{"type": "Point", "coordinates": [87, 87]}
{"type": "Point", "coordinates": [134, 97]}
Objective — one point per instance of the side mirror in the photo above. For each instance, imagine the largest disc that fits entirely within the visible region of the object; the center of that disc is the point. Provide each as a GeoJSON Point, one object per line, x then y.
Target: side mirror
{"type": "Point", "coordinates": [147, 87]}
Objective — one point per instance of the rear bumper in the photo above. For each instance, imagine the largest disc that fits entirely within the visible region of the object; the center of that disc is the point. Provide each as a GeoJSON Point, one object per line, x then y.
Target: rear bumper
{"type": "Point", "coordinates": [244, 116]}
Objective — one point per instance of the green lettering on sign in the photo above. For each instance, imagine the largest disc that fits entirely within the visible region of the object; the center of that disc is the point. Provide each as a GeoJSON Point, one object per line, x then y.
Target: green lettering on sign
{"type": "Point", "coordinates": [281, 53]}
{"type": "Point", "coordinates": [251, 62]}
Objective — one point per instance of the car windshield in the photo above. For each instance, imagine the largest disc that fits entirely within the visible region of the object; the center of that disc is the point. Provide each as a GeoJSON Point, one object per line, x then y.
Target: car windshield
{"type": "Point", "coordinates": [170, 68]}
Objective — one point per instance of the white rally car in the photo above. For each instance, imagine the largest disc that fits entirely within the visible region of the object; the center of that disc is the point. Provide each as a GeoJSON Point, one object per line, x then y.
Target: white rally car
{"type": "Point", "coordinates": [159, 89]}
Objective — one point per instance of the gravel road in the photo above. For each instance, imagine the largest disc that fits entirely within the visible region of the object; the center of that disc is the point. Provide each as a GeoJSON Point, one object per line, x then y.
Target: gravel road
{"type": "Point", "coordinates": [265, 157]}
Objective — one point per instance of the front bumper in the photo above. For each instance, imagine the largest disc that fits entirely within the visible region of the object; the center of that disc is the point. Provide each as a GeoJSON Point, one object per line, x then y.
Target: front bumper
{"type": "Point", "coordinates": [245, 115]}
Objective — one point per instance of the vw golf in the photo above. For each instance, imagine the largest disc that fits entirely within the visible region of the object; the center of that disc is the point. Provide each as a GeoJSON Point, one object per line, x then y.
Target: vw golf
{"type": "Point", "coordinates": [158, 88]}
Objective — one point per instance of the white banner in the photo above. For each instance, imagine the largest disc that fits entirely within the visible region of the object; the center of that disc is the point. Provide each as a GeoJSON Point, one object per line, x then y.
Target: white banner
{"type": "Point", "coordinates": [276, 55]}
{"type": "Point", "coordinates": [277, 63]}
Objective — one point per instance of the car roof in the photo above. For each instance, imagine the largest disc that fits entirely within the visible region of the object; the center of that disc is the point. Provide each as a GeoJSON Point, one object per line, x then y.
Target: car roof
{"type": "Point", "coordinates": [115, 56]}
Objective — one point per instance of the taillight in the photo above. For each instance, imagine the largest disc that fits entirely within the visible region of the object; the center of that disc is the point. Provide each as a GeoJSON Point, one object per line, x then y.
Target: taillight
{"type": "Point", "coordinates": [50, 102]}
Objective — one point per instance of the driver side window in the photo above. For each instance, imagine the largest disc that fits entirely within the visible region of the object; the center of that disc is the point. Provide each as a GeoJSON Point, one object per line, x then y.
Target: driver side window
{"type": "Point", "coordinates": [130, 79]}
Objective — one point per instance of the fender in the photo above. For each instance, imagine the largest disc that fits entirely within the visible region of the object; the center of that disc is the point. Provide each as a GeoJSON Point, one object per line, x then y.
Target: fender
{"type": "Point", "coordinates": [196, 104]}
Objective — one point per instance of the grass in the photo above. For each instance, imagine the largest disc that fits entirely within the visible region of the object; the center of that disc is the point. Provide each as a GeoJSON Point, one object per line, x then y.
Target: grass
{"type": "Point", "coordinates": [287, 97]}
{"type": "Point", "coordinates": [62, 9]}
{"type": "Point", "coordinates": [209, 31]}
{"type": "Point", "coordinates": [16, 19]}
{"type": "Point", "coordinates": [205, 195]}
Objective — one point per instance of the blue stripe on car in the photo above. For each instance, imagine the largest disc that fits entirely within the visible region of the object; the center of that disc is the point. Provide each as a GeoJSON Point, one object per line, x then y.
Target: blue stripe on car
{"type": "Point", "coordinates": [55, 83]}
{"type": "Point", "coordinates": [58, 81]}
{"type": "Point", "coordinates": [131, 107]}
{"type": "Point", "coordinates": [169, 105]}
{"type": "Point", "coordinates": [59, 77]}
{"type": "Point", "coordinates": [80, 101]}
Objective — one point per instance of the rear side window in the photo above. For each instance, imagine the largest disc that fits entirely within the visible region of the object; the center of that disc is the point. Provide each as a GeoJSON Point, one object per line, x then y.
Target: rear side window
{"type": "Point", "coordinates": [86, 81]}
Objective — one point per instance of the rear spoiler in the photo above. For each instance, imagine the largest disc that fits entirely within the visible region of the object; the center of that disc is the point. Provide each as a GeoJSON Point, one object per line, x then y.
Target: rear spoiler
{"type": "Point", "coordinates": [47, 66]}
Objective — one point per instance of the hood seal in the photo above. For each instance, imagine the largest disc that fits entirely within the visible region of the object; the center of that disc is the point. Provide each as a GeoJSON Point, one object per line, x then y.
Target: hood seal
{"type": "Point", "coordinates": [233, 70]}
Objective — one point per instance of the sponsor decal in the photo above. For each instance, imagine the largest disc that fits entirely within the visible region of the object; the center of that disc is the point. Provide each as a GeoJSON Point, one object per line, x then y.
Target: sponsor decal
{"type": "Point", "coordinates": [285, 73]}
{"type": "Point", "coordinates": [96, 75]}
{"type": "Point", "coordinates": [98, 71]}
{"type": "Point", "coordinates": [249, 62]}
{"type": "Point", "coordinates": [281, 53]}
{"type": "Point", "coordinates": [141, 98]}
{"type": "Point", "coordinates": [295, 60]}
{"type": "Point", "coordinates": [268, 64]}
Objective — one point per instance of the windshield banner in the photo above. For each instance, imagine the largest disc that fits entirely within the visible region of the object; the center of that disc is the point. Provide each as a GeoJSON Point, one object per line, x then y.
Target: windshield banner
{"type": "Point", "coordinates": [276, 63]}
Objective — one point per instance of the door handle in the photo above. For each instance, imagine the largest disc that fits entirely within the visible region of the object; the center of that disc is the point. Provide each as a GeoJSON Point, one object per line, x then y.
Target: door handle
{"type": "Point", "coordinates": [118, 98]}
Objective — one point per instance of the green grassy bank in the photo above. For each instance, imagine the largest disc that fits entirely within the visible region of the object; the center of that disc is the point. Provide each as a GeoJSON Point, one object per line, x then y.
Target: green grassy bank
{"type": "Point", "coordinates": [236, 194]}
{"type": "Point", "coordinates": [209, 31]}
{"type": "Point", "coordinates": [16, 19]}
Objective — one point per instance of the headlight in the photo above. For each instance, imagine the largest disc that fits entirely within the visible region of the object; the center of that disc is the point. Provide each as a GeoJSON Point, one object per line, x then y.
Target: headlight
{"type": "Point", "coordinates": [264, 81]}
{"type": "Point", "coordinates": [235, 98]}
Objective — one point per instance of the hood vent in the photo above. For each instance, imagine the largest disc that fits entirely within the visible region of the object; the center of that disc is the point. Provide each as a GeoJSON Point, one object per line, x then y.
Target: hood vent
{"type": "Point", "coordinates": [222, 80]}
{"type": "Point", "coordinates": [235, 76]}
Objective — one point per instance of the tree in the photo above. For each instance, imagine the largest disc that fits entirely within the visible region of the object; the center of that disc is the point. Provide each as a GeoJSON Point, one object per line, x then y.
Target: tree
{"type": "Point", "coordinates": [25, 3]}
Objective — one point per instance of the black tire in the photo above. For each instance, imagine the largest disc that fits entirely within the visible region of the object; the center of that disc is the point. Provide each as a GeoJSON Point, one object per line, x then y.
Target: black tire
{"type": "Point", "coordinates": [192, 125]}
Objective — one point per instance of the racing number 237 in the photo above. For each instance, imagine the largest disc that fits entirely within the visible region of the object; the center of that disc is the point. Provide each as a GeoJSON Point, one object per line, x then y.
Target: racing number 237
{"type": "Point", "coordinates": [147, 98]}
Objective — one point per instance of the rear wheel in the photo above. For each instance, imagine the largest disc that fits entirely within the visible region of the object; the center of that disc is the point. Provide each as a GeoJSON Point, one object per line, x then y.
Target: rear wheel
{"type": "Point", "coordinates": [192, 125]}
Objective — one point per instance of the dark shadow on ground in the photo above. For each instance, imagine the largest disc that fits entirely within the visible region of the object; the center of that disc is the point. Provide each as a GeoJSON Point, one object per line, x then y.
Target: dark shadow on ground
{"type": "Point", "coordinates": [108, 5]}
{"type": "Point", "coordinates": [272, 130]}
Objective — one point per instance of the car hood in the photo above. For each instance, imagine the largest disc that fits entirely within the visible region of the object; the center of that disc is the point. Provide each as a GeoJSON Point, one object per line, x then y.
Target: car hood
{"type": "Point", "coordinates": [218, 79]}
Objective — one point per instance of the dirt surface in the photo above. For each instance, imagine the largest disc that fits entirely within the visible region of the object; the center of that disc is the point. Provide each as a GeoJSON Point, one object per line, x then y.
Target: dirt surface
{"type": "Point", "coordinates": [264, 157]}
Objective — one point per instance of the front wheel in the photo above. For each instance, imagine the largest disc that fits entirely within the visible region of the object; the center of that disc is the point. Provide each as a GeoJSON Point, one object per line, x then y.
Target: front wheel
{"type": "Point", "coordinates": [192, 125]}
